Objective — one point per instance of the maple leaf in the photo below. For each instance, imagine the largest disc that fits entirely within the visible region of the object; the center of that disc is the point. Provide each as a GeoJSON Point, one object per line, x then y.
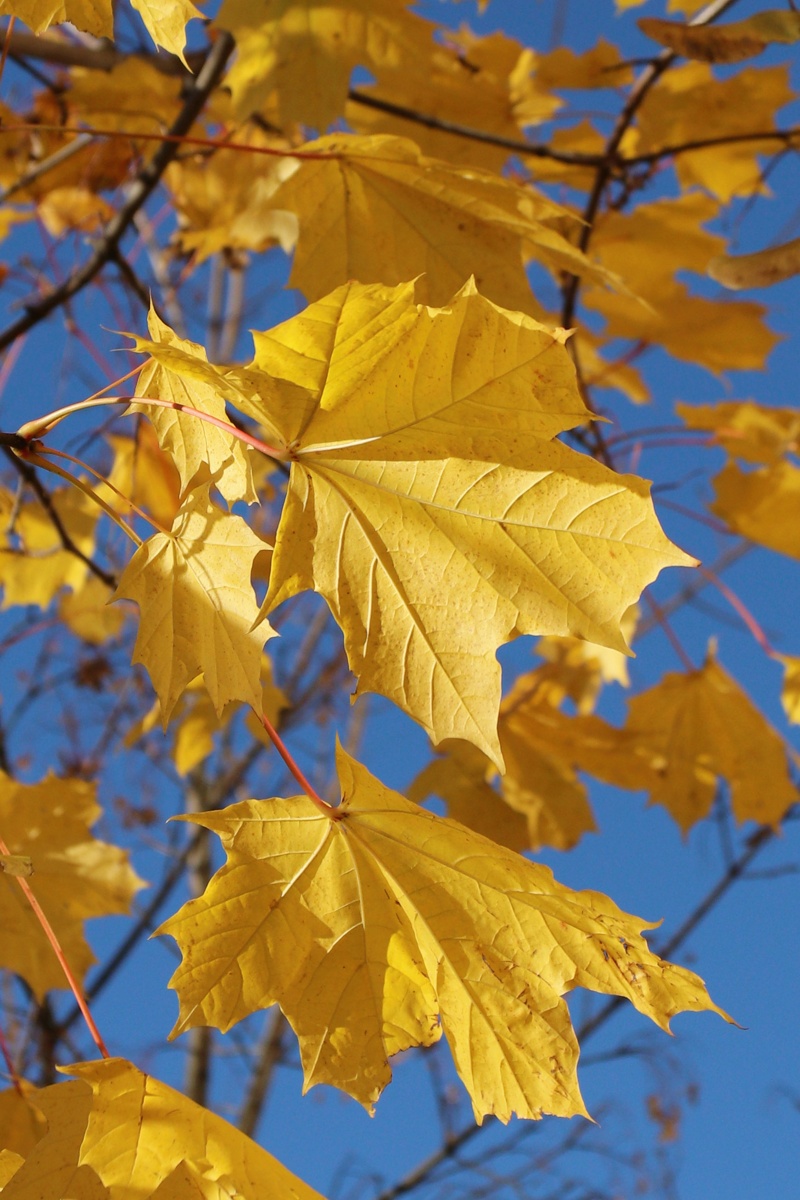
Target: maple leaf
{"type": "Point", "coordinates": [460, 775]}
{"type": "Point", "coordinates": [114, 1131]}
{"type": "Point", "coordinates": [762, 505]}
{"type": "Point", "coordinates": [192, 444]}
{"type": "Point", "coordinates": [699, 726]}
{"type": "Point", "coordinates": [752, 432]}
{"type": "Point", "coordinates": [645, 249]}
{"type": "Point", "coordinates": [493, 79]}
{"type": "Point", "coordinates": [376, 210]}
{"type": "Point", "coordinates": [306, 50]}
{"type": "Point", "coordinates": [745, 103]}
{"type": "Point", "coordinates": [165, 22]}
{"type": "Point", "coordinates": [425, 505]}
{"type": "Point", "coordinates": [75, 877]}
{"type": "Point", "coordinates": [197, 605]}
{"type": "Point", "coordinates": [87, 613]}
{"type": "Point", "coordinates": [21, 1123]}
{"type": "Point", "coordinates": [226, 203]}
{"type": "Point", "coordinates": [383, 927]}
{"type": "Point", "coordinates": [38, 566]}
{"type": "Point", "coordinates": [602, 66]}
{"type": "Point", "coordinates": [762, 269]}
{"type": "Point", "coordinates": [725, 43]}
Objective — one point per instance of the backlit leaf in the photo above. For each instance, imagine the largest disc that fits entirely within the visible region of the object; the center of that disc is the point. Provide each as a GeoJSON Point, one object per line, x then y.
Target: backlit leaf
{"type": "Point", "coordinates": [192, 443]}
{"type": "Point", "coordinates": [761, 269]}
{"type": "Point", "coordinates": [382, 928]}
{"type": "Point", "coordinates": [376, 210]}
{"type": "Point", "coordinates": [728, 43]}
{"type": "Point", "coordinates": [420, 473]}
{"type": "Point", "coordinates": [116, 1133]}
{"type": "Point", "coordinates": [75, 877]}
{"type": "Point", "coordinates": [752, 432]}
{"type": "Point", "coordinates": [700, 726]}
{"type": "Point", "coordinates": [763, 505]}
{"type": "Point", "coordinates": [197, 606]}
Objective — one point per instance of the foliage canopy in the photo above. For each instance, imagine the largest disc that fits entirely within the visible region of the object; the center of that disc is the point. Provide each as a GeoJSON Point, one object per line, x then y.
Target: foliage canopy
{"type": "Point", "coordinates": [435, 443]}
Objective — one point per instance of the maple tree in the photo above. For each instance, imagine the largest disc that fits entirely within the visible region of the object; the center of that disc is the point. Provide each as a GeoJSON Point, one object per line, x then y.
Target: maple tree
{"type": "Point", "coordinates": [440, 441]}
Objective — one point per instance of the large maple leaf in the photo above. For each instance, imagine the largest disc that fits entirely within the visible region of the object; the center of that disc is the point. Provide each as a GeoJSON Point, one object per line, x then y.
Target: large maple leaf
{"type": "Point", "coordinates": [381, 927]}
{"type": "Point", "coordinates": [376, 210]}
{"type": "Point", "coordinates": [425, 504]}
{"type": "Point", "coordinates": [117, 1132]}
{"type": "Point", "coordinates": [75, 876]}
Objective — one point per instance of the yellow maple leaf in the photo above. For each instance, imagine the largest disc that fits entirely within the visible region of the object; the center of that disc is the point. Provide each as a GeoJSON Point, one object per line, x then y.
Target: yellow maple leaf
{"type": "Point", "coordinates": [376, 210]}
{"type": "Point", "coordinates": [75, 877]}
{"type": "Point", "coordinates": [165, 20]}
{"type": "Point", "coordinates": [21, 1123]}
{"type": "Point", "coordinates": [487, 83]}
{"type": "Point", "coordinates": [193, 444]}
{"type": "Point", "coordinates": [762, 505]}
{"type": "Point", "coordinates": [144, 474]}
{"type": "Point", "coordinates": [420, 470]}
{"type": "Point", "coordinates": [460, 775]}
{"type": "Point", "coordinates": [752, 432]}
{"type": "Point", "coordinates": [699, 726]}
{"type": "Point", "coordinates": [747, 102]}
{"type": "Point", "coordinates": [88, 614]}
{"type": "Point", "coordinates": [114, 1131]}
{"type": "Point", "coordinates": [601, 66]}
{"type": "Point", "coordinates": [306, 50]}
{"type": "Point", "coordinates": [383, 927]}
{"type": "Point", "coordinates": [197, 606]}
{"type": "Point", "coordinates": [762, 269]}
{"type": "Point", "coordinates": [34, 569]}
{"type": "Point", "coordinates": [226, 202]}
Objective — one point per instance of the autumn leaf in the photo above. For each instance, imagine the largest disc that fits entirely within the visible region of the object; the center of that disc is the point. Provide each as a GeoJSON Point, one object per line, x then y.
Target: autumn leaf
{"type": "Point", "coordinates": [114, 1131]}
{"type": "Point", "coordinates": [166, 23]}
{"type": "Point", "coordinates": [762, 505]}
{"type": "Point", "coordinates": [197, 606]}
{"type": "Point", "coordinates": [729, 43]}
{"type": "Point", "coordinates": [88, 614]}
{"type": "Point", "coordinates": [384, 927]}
{"type": "Point", "coordinates": [75, 877]}
{"type": "Point", "coordinates": [226, 202]}
{"type": "Point", "coordinates": [376, 210]}
{"type": "Point", "coordinates": [21, 1123]}
{"type": "Point", "coordinates": [752, 432]}
{"type": "Point", "coordinates": [420, 474]}
{"type": "Point", "coordinates": [460, 775]}
{"type": "Point", "coordinates": [762, 269]}
{"type": "Point", "coordinates": [490, 82]}
{"type": "Point", "coordinates": [745, 103]}
{"type": "Point", "coordinates": [194, 445]}
{"type": "Point", "coordinates": [34, 565]}
{"type": "Point", "coordinates": [699, 726]}
{"type": "Point", "coordinates": [601, 66]}
{"type": "Point", "coordinates": [305, 51]}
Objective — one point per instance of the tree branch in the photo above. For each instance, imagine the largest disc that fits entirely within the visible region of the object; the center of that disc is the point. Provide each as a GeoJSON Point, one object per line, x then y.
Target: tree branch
{"type": "Point", "coordinates": [144, 185]}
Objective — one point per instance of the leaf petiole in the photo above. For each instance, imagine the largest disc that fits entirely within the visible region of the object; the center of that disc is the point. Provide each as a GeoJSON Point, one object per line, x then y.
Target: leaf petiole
{"type": "Point", "coordinates": [328, 809]}
{"type": "Point", "coordinates": [52, 938]}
